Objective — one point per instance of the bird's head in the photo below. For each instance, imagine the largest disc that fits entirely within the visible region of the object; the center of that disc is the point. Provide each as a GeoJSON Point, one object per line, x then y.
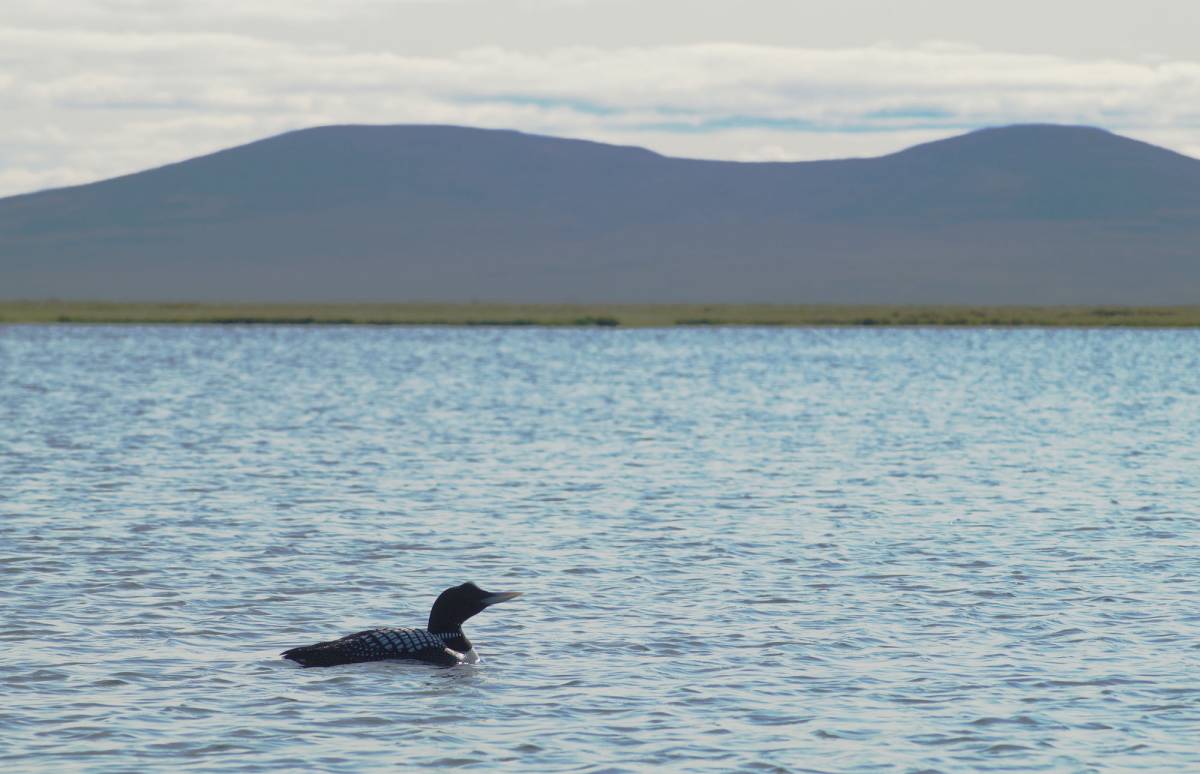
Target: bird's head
{"type": "Point", "coordinates": [458, 603]}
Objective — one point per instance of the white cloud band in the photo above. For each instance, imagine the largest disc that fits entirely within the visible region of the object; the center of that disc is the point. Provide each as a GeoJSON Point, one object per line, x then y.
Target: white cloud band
{"type": "Point", "coordinates": [86, 104]}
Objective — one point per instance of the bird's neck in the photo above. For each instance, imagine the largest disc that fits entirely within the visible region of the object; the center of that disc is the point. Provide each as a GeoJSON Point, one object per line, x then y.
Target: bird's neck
{"type": "Point", "coordinates": [449, 627]}
{"type": "Point", "coordinates": [454, 638]}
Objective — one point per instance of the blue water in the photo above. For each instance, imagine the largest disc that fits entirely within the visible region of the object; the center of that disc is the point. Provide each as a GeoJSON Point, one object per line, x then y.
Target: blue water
{"type": "Point", "coordinates": [757, 549]}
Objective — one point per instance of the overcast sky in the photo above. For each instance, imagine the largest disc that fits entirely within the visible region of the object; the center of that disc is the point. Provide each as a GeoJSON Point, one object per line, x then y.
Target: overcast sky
{"type": "Point", "coordinates": [95, 88]}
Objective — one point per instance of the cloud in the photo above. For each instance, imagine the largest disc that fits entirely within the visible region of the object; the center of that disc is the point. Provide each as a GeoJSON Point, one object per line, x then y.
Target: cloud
{"type": "Point", "coordinates": [83, 104]}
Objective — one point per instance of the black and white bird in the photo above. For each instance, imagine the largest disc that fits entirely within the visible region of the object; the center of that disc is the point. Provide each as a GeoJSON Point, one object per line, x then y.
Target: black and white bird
{"type": "Point", "coordinates": [441, 642]}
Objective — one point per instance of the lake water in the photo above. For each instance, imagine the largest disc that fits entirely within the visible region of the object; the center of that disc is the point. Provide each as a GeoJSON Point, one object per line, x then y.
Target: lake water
{"type": "Point", "coordinates": [755, 549]}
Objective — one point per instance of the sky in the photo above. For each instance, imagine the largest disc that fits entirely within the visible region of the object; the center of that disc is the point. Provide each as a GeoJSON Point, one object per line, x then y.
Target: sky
{"type": "Point", "coordinates": [90, 89]}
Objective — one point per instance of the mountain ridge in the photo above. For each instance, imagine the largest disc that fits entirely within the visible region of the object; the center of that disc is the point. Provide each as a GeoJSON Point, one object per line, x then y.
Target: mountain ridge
{"type": "Point", "coordinates": [1019, 214]}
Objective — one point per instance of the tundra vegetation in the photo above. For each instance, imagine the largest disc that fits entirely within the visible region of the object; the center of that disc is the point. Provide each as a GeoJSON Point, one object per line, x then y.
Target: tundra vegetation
{"type": "Point", "coordinates": [614, 315]}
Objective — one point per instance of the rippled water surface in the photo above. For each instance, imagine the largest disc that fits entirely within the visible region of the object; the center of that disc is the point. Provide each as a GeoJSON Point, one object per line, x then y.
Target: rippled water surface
{"type": "Point", "coordinates": [756, 549]}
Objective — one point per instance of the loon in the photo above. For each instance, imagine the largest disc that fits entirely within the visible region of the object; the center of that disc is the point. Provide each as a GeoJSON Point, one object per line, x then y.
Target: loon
{"type": "Point", "coordinates": [442, 642]}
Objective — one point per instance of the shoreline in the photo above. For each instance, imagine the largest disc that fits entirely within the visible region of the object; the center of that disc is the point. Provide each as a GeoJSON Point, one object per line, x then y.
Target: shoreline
{"type": "Point", "coordinates": [599, 315]}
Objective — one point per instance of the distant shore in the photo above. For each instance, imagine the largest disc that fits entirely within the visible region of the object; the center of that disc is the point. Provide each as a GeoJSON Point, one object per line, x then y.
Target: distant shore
{"type": "Point", "coordinates": [605, 315]}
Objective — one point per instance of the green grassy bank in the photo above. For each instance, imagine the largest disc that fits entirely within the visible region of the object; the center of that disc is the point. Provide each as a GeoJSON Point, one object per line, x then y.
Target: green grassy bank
{"type": "Point", "coordinates": [623, 315]}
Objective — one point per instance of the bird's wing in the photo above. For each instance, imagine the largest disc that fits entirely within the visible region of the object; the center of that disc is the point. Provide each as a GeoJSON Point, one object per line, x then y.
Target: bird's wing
{"type": "Point", "coordinates": [375, 645]}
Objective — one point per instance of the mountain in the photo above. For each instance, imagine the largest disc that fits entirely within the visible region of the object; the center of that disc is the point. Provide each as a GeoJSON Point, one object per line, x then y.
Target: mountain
{"type": "Point", "coordinates": [1025, 214]}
